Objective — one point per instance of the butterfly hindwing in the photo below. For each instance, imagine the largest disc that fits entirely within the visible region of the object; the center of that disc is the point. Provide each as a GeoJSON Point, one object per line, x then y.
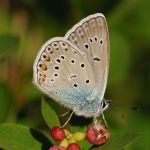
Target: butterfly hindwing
{"type": "Point", "coordinates": [62, 72]}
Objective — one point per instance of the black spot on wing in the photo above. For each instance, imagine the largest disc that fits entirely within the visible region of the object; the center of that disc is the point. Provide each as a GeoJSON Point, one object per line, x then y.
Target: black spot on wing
{"type": "Point", "coordinates": [96, 59]}
{"type": "Point", "coordinates": [86, 46]}
{"type": "Point", "coordinates": [73, 76]}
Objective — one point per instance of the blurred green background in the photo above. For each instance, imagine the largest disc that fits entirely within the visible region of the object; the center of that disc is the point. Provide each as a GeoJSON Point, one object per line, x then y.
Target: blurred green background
{"type": "Point", "coordinates": [25, 25]}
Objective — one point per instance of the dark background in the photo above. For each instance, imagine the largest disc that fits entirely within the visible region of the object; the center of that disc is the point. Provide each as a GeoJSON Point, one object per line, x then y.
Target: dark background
{"type": "Point", "coordinates": [25, 25]}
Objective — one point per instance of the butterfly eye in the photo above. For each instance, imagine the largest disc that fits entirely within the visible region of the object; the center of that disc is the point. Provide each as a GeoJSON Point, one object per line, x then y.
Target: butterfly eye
{"type": "Point", "coordinates": [103, 104]}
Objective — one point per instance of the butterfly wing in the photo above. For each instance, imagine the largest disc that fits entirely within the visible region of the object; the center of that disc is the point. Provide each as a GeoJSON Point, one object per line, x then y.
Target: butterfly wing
{"type": "Point", "coordinates": [62, 72]}
{"type": "Point", "coordinates": [90, 36]}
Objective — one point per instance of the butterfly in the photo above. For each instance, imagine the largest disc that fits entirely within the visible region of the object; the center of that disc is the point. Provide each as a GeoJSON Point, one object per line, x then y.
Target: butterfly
{"type": "Point", "coordinates": [73, 69]}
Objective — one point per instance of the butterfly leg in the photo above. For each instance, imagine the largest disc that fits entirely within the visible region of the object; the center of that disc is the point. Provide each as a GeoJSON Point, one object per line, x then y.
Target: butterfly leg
{"type": "Point", "coordinates": [67, 120]}
{"type": "Point", "coordinates": [95, 123]}
{"type": "Point", "coordinates": [104, 119]}
{"type": "Point", "coordinates": [64, 114]}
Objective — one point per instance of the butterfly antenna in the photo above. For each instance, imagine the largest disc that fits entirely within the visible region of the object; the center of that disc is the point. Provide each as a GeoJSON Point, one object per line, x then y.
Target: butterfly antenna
{"type": "Point", "coordinates": [64, 114]}
{"type": "Point", "coordinates": [104, 119]}
{"type": "Point", "coordinates": [67, 120]}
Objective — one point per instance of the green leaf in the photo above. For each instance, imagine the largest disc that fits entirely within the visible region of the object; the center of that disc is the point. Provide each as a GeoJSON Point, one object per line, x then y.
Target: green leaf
{"type": "Point", "coordinates": [84, 144]}
{"type": "Point", "coordinates": [18, 137]}
{"type": "Point", "coordinates": [8, 43]}
{"type": "Point", "coordinates": [49, 115]}
{"type": "Point", "coordinates": [5, 101]}
{"type": "Point", "coordinates": [118, 142]}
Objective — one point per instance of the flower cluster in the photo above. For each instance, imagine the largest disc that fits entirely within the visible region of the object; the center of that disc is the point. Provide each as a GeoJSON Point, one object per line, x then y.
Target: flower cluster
{"type": "Point", "coordinates": [96, 134]}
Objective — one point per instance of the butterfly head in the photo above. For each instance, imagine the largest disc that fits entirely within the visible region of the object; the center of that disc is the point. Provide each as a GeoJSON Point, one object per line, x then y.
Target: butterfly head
{"type": "Point", "coordinates": [105, 104]}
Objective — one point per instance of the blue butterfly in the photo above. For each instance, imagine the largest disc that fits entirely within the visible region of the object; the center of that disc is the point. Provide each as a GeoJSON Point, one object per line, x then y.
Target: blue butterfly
{"type": "Point", "coordinates": [73, 69]}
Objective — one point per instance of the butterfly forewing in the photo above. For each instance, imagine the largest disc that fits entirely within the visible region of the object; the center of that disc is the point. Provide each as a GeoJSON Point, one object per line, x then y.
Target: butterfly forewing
{"type": "Point", "coordinates": [90, 36]}
{"type": "Point", "coordinates": [61, 71]}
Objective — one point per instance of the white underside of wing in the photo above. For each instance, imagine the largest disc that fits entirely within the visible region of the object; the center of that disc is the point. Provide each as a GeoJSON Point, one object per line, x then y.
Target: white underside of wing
{"type": "Point", "coordinates": [71, 68]}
